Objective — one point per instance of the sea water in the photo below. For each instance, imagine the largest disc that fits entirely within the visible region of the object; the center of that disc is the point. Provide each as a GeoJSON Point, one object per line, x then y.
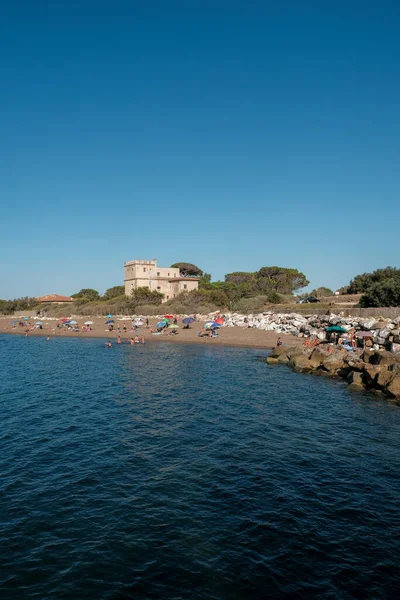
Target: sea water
{"type": "Point", "coordinates": [190, 471]}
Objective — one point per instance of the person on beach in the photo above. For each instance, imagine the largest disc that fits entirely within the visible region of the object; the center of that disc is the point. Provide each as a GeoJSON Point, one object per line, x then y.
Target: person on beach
{"type": "Point", "coordinates": [119, 327]}
{"type": "Point", "coordinates": [119, 339]}
{"type": "Point", "coordinates": [132, 342]}
{"type": "Point", "coordinates": [147, 323]}
{"type": "Point", "coordinates": [124, 327]}
{"type": "Point", "coordinates": [279, 342]}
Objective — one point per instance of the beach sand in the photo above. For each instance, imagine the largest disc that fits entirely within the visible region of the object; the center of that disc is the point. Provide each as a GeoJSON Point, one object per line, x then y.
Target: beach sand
{"type": "Point", "coordinates": [227, 336]}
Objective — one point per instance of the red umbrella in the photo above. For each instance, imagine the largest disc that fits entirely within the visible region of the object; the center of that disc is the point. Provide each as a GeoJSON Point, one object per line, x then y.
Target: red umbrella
{"type": "Point", "coordinates": [220, 321]}
{"type": "Point", "coordinates": [168, 316]}
{"type": "Point", "coordinates": [63, 320]}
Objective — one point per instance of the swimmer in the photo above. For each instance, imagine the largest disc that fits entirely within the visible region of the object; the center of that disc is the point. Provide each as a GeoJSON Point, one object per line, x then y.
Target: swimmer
{"type": "Point", "coordinates": [132, 342]}
{"type": "Point", "coordinates": [142, 340]}
{"type": "Point", "coordinates": [136, 339]}
{"type": "Point", "coordinates": [109, 345]}
{"type": "Point", "coordinates": [48, 338]}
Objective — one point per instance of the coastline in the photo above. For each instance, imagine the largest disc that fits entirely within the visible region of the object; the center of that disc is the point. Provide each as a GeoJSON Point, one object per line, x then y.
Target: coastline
{"type": "Point", "coordinates": [227, 336]}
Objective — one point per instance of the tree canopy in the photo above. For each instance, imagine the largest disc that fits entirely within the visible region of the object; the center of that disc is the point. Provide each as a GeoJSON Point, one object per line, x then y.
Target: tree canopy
{"type": "Point", "coordinates": [322, 291]}
{"type": "Point", "coordinates": [362, 283]}
{"type": "Point", "coordinates": [114, 292]}
{"type": "Point", "coordinates": [143, 295]}
{"type": "Point", "coordinates": [239, 277]}
{"type": "Point", "coordinates": [88, 294]}
{"type": "Point", "coordinates": [187, 269]}
{"type": "Point", "coordinates": [379, 288]}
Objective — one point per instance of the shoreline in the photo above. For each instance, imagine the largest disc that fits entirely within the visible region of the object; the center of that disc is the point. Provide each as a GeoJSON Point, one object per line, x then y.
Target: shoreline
{"type": "Point", "coordinates": [228, 336]}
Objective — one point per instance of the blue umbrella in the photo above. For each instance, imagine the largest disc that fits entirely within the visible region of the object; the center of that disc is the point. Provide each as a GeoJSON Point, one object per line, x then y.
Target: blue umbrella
{"type": "Point", "coordinates": [109, 322]}
{"type": "Point", "coordinates": [161, 324]}
{"type": "Point", "coordinates": [188, 320]}
{"type": "Point", "coordinates": [109, 316]}
{"type": "Point", "coordinates": [26, 318]}
{"type": "Point", "coordinates": [212, 325]}
{"type": "Point", "coordinates": [73, 322]}
{"type": "Point", "coordinates": [39, 323]}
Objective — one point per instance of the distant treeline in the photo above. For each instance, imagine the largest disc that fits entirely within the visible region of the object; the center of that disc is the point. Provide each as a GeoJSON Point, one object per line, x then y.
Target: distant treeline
{"type": "Point", "coordinates": [241, 291]}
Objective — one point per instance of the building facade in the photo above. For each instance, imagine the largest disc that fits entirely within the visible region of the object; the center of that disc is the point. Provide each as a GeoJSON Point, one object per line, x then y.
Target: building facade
{"type": "Point", "coordinates": [165, 280]}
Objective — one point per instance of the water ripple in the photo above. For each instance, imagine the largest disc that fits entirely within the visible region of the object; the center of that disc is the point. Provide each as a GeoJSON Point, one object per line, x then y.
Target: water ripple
{"type": "Point", "coordinates": [181, 472]}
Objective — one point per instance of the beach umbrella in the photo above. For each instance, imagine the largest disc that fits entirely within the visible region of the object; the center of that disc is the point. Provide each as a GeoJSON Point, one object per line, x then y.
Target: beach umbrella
{"type": "Point", "coordinates": [335, 328]}
{"type": "Point", "coordinates": [39, 323]}
{"type": "Point", "coordinates": [168, 316]}
{"type": "Point", "coordinates": [212, 325]}
{"type": "Point", "coordinates": [64, 320]}
{"type": "Point", "coordinates": [161, 324]}
{"type": "Point", "coordinates": [220, 321]}
{"type": "Point", "coordinates": [88, 323]}
{"type": "Point", "coordinates": [72, 322]}
{"type": "Point", "coordinates": [109, 316]}
{"type": "Point", "coordinates": [109, 322]}
{"type": "Point", "coordinates": [188, 320]}
{"type": "Point", "coordinates": [174, 326]}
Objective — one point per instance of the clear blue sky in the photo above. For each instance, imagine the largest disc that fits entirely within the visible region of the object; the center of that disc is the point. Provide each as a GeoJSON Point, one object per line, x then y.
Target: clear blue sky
{"type": "Point", "coordinates": [229, 134]}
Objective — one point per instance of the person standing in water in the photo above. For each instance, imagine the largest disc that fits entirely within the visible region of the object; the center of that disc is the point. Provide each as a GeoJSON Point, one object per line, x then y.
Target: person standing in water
{"type": "Point", "coordinates": [109, 345]}
{"type": "Point", "coordinates": [119, 339]}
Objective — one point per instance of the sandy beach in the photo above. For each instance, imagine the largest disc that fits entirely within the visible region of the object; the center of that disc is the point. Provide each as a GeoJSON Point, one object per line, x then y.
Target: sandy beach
{"type": "Point", "coordinates": [227, 336]}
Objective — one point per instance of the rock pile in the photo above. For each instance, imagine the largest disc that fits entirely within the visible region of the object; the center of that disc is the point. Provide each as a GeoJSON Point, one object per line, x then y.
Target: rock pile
{"type": "Point", "coordinates": [377, 371]}
{"type": "Point", "coordinates": [384, 332]}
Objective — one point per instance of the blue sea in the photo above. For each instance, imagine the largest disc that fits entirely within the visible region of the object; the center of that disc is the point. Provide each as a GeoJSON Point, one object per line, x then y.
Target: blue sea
{"type": "Point", "coordinates": [190, 472]}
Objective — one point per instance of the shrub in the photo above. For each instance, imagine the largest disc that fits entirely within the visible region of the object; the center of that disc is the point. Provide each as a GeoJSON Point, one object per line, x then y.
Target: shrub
{"type": "Point", "coordinates": [251, 305]}
{"type": "Point", "coordinates": [148, 310]}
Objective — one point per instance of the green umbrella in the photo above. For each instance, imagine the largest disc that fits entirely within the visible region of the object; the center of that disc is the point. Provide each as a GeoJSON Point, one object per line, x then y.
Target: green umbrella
{"type": "Point", "coordinates": [335, 328]}
{"type": "Point", "coordinates": [173, 327]}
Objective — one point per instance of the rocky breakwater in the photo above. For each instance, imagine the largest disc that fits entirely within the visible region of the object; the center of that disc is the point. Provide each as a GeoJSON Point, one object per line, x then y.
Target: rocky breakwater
{"type": "Point", "coordinates": [373, 370]}
{"type": "Point", "coordinates": [384, 333]}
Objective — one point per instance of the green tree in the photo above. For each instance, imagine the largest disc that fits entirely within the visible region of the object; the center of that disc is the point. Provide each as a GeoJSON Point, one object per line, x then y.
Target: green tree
{"type": "Point", "coordinates": [187, 269]}
{"type": "Point", "coordinates": [143, 295]}
{"type": "Point", "coordinates": [382, 293]}
{"type": "Point", "coordinates": [239, 277]}
{"type": "Point", "coordinates": [114, 292]}
{"type": "Point", "coordinates": [87, 293]}
{"type": "Point", "coordinates": [280, 280]}
{"type": "Point", "coordinates": [322, 291]}
{"type": "Point", "coordinates": [361, 283]}
{"type": "Point", "coordinates": [205, 281]}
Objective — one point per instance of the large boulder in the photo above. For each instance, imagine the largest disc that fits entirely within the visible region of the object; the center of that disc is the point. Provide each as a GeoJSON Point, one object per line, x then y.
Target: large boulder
{"type": "Point", "coordinates": [355, 380]}
{"type": "Point", "coordinates": [317, 358]}
{"type": "Point", "coordinates": [370, 374]}
{"type": "Point", "coordinates": [383, 378]}
{"type": "Point", "coordinates": [334, 363]}
{"type": "Point", "coordinates": [300, 363]}
{"type": "Point", "coordinates": [370, 324]}
{"type": "Point", "coordinates": [393, 388]}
